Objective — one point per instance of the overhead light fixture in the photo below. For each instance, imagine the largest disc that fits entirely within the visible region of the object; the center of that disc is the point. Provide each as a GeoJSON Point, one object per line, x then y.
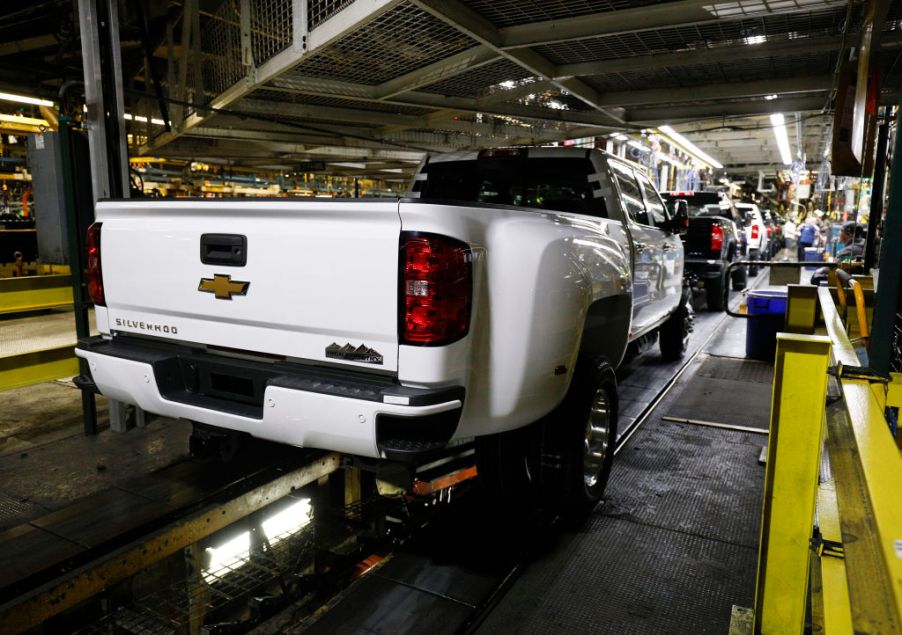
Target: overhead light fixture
{"type": "Point", "coordinates": [756, 39]}
{"type": "Point", "coordinates": [771, 97]}
{"type": "Point", "coordinates": [140, 119]}
{"type": "Point", "coordinates": [779, 124]}
{"type": "Point", "coordinates": [689, 147]}
{"type": "Point", "coordinates": [22, 99]}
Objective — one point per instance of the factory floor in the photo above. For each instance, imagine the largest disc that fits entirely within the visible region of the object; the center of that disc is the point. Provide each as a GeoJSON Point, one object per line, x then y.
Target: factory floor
{"type": "Point", "coordinates": [46, 460]}
{"type": "Point", "coordinates": [674, 546]}
{"type": "Point", "coordinates": [672, 549]}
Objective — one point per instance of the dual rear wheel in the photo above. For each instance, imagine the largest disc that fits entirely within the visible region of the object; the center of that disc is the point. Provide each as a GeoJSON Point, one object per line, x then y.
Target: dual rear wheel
{"type": "Point", "coordinates": [563, 461]}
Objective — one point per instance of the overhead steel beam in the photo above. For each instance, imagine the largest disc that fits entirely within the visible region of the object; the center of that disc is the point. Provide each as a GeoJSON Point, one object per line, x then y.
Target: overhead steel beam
{"type": "Point", "coordinates": [667, 14]}
{"type": "Point", "coordinates": [461, 17]}
{"type": "Point", "coordinates": [660, 115]}
{"type": "Point", "coordinates": [443, 69]}
{"type": "Point", "coordinates": [275, 136]}
{"type": "Point", "coordinates": [449, 104]}
{"type": "Point", "coordinates": [701, 56]}
{"type": "Point", "coordinates": [326, 113]}
{"type": "Point", "coordinates": [304, 43]}
{"type": "Point", "coordinates": [707, 92]}
{"type": "Point", "coordinates": [28, 44]}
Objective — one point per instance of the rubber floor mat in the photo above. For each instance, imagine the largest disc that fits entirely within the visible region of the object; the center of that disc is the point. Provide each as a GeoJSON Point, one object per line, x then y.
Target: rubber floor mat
{"type": "Point", "coordinates": [624, 578]}
{"type": "Point", "coordinates": [673, 547]}
{"type": "Point", "coordinates": [691, 479]}
{"type": "Point", "coordinates": [729, 391]}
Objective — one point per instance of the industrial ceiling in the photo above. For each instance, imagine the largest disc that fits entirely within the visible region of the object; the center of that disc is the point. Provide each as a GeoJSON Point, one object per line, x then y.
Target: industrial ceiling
{"type": "Point", "coordinates": [369, 86]}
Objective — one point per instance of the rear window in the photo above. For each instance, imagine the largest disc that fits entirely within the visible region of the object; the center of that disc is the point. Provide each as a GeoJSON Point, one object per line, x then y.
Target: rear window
{"type": "Point", "coordinates": [696, 201]}
{"type": "Point", "coordinates": [555, 184]}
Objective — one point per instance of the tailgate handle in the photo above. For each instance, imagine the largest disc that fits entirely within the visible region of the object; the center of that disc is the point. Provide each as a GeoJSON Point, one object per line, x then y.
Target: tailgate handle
{"type": "Point", "coordinates": [223, 249]}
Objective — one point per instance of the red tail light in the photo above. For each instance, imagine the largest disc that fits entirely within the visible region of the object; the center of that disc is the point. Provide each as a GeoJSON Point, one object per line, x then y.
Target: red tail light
{"type": "Point", "coordinates": [716, 237]}
{"type": "Point", "coordinates": [94, 274]}
{"type": "Point", "coordinates": [770, 231]}
{"type": "Point", "coordinates": [436, 280]}
{"type": "Point", "coordinates": [754, 232]}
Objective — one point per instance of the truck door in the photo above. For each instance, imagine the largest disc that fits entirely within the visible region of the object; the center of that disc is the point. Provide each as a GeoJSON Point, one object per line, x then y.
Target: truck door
{"type": "Point", "coordinates": [668, 295]}
{"type": "Point", "coordinates": [646, 249]}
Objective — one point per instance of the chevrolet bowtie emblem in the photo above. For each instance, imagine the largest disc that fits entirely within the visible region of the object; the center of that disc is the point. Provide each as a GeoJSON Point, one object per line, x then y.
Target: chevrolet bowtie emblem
{"type": "Point", "coordinates": [222, 286]}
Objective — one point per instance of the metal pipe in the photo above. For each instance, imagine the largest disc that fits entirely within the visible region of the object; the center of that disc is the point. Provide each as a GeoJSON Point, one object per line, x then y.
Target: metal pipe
{"type": "Point", "coordinates": [876, 211]}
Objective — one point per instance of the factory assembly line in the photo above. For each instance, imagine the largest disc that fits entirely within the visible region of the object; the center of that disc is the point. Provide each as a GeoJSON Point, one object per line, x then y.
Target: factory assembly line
{"type": "Point", "coordinates": [450, 316]}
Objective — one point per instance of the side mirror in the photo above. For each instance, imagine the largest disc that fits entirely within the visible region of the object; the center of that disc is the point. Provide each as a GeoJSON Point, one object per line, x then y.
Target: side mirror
{"type": "Point", "coordinates": [680, 222]}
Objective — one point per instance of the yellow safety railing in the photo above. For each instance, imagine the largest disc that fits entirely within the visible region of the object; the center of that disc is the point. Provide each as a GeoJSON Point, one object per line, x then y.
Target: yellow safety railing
{"type": "Point", "coordinates": [34, 293]}
{"type": "Point", "coordinates": [819, 494]}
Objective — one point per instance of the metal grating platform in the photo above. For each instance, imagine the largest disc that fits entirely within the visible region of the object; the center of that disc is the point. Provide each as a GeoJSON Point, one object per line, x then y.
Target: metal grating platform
{"type": "Point", "coordinates": [401, 40]}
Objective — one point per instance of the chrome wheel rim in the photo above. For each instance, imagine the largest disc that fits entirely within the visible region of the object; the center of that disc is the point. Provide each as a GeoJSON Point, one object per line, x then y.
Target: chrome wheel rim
{"type": "Point", "coordinates": [597, 438]}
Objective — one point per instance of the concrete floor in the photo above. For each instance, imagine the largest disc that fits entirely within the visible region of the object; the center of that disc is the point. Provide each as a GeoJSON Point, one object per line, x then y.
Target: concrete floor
{"type": "Point", "coordinates": [46, 461]}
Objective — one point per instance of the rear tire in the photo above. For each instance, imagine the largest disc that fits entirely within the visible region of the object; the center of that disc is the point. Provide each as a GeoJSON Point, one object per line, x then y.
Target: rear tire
{"type": "Point", "coordinates": [577, 441]}
{"type": "Point", "coordinates": [714, 289]}
{"type": "Point", "coordinates": [754, 257]}
{"type": "Point", "coordinates": [739, 278]}
{"type": "Point", "coordinates": [673, 336]}
{"type": "Point", "coordinates": [502, 469]}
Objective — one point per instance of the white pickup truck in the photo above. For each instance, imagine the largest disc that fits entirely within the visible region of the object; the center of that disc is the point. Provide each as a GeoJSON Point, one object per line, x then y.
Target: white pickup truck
{"type": "Point", "coordinates": [502, 293]}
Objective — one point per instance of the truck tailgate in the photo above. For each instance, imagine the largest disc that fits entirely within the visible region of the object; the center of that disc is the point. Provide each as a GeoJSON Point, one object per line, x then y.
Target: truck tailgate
{"type": "Point", "coordinates": [322, 276]}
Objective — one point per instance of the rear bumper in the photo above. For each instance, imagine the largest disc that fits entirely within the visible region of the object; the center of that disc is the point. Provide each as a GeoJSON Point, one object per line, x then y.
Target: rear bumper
{"type": "Point", "coordinates": [305, 406]}
{"type": "Point", "coordinates": [706, 269]}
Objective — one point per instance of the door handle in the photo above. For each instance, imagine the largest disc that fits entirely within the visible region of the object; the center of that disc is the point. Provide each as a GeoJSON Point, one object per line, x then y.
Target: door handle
{"type": "Point", "coordinates": [223, 249]}
{"type": "Point", "coordinates": [640, 246]}
{"type": "Point", "coordinates": [667, 247]}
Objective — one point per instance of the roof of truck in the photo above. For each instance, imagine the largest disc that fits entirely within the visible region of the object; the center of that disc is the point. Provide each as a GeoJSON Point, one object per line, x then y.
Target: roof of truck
{"type": "Point", "coordinates": [531, 152]}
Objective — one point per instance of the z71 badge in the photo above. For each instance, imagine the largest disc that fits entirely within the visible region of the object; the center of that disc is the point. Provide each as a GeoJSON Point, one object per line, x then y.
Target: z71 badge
{"type": "Point", "coordinates": [350, 353]}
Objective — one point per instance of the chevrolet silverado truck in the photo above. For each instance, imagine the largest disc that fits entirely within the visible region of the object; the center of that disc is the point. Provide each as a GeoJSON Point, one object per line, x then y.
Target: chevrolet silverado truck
{"type": "Point", "coordinates": [756, 234]}
{"type": "Point", "coordinates": [492, 304]}
{"type": "Point", "coordinates": [711, 243]}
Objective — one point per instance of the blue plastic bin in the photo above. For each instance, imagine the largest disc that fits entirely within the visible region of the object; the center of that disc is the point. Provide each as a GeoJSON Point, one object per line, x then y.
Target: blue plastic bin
{"type": "Point", "coordinates": [767, 315]}
{"type": "Point", "coordinates": [813, 254]}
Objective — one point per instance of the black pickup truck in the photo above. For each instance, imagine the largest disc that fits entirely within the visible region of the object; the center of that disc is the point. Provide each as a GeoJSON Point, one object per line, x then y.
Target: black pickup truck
{"type": "Point", "coordinates": [713, 240]}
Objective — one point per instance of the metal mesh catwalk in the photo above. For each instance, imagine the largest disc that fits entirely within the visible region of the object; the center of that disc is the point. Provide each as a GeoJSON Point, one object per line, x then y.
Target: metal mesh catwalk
{"type": "Point", "coordinates": [401, 57]}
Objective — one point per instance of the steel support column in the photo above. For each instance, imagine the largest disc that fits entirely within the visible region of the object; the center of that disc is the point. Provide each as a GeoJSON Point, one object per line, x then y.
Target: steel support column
{"type": "Point", "coordinates": [880, 346]}
{"type": "Point", "coordinates": [99, 23]}
{"type": "Point", "coordinates": [876, 212]}
{"type": "Point", "coordinates": [102, 64]}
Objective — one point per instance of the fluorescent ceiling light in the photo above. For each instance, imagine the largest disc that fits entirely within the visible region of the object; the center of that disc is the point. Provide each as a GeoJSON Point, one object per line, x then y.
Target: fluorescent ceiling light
{"type": "Point", "coordinates": [140, 119]}
{"type": "Point", "coordinates": [669, 159]}
{"type": "Point", "coordinates": [22, 99]}
{"type": "Point", "coordinates": [771, 97]}
{"type": "Point", "coordinates": [689, 147]}
{"type": "Point", "coordinates": [756, 39]}
{"type": "Point", "coordinates": [779, 125]}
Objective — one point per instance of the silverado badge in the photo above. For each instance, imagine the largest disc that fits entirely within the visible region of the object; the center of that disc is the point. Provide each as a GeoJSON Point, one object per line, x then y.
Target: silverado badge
{"type": "Point", "coordinates": [350, 353]}
{"type": "Point", "coordinates": [222, 286]}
